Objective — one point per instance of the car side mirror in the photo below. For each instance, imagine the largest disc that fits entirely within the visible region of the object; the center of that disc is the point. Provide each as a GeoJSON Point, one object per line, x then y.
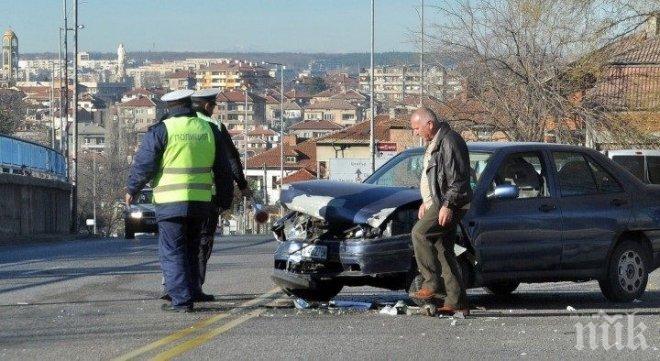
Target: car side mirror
{"type": "Point", "coordinates": [505, 191]}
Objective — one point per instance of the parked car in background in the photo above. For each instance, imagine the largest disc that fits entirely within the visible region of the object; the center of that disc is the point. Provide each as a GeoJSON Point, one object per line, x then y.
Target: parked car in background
{"type": "Point", "coordinates": [540, 213]}
{"type": "Point", "coordinates": [643, 164]}
{"type": "Point", "coordinates": [140, 217]}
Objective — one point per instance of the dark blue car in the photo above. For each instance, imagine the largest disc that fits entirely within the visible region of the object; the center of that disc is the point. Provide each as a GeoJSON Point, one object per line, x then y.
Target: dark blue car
{"type": "Point", "coordinates": [540, 213]}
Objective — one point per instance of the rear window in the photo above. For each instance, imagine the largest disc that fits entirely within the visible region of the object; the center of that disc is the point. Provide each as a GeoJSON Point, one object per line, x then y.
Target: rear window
{"type": "Point", "coordinates": [653, 164]}
{"type": "Point", "coordinates": [633, 163]}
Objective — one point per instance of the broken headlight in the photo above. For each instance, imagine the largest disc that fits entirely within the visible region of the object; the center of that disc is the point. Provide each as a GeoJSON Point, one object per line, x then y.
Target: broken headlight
{"type": "Point", "coordinates": [362, 231]}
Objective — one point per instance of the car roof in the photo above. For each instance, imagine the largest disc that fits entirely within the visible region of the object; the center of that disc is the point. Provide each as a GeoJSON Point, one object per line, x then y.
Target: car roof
{"type": "Point", "coordinates": [639, 152]}
{"type": "Point", "coordinates": [515, 146]}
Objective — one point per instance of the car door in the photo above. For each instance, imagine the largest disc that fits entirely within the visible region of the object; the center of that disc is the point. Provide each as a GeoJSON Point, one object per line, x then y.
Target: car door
{"type": "Point", "coordinates": [595, 208]}
{"type": "Point", "coordinates": [521, 234]}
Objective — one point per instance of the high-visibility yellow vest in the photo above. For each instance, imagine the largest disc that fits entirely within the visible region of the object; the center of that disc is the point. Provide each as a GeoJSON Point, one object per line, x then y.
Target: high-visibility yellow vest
{"type": "Point", "coordinates": [186, 169]}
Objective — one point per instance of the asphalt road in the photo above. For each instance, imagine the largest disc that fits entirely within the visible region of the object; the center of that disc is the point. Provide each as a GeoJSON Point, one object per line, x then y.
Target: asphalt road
{"type": "Point", "coordinates": [97, 299]}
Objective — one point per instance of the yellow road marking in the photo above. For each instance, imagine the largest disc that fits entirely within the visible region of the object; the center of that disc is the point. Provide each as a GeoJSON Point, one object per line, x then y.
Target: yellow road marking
{"type": "Point", "coordinates": [205, 337]}
{"type": "Point", "coordinates": [195, 327]}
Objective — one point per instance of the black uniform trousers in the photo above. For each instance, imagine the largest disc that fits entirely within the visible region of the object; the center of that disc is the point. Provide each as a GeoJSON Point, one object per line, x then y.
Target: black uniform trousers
{"type": "Point", "coordinates": [206, 242]}
{"type": "Point", "coordinates": [178, 240]}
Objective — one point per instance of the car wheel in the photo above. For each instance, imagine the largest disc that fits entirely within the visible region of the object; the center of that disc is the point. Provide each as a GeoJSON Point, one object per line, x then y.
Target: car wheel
{"type": "Point", "coordinates": [128, 232]}
{"type": "Point", "coordinates": [323, 292]}
{"type": "Point", "coordinates": [627, 273]}
{"type": "Point", "coordinates": [501, 289]}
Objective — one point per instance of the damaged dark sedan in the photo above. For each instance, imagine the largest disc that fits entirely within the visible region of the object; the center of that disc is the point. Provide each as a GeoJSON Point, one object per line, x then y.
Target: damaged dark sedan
{"type": "Point", "coordinates": [540, 213]}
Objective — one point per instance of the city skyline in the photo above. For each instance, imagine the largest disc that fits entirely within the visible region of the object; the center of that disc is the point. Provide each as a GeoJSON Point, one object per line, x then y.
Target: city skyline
{"type": "Point", "coordinates": [203, 25]}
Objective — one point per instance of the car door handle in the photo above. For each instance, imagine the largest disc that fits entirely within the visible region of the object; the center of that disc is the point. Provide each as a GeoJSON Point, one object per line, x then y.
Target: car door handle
{"type": "Point", "coordinates": [547, 207]}
{"type": "Point", "coordinates": [618, 202]}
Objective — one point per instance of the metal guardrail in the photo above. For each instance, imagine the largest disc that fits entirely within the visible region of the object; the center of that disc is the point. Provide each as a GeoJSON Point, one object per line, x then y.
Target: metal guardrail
{"type": "Point", "coordinates": [19, 156]}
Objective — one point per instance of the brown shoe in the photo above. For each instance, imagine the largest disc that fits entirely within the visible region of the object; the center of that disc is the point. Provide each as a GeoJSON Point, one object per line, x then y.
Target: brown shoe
{"type": "Point", "coordinates": [423, 294]}
{"type": "Point", "coordinates": [450, 311]}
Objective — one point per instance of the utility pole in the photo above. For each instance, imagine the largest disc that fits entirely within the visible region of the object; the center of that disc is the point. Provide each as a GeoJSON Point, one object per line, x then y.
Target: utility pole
{"type": "Point", "coordinates": [245, 146]}
{"type": "Point", "coordinates": [372, 141]}
{"type": "Point", "coordinates": [59, 62]}
{"type": "Point", "coordinates": [421, 62]}
{"type": "Point", "coordinates": [94, 154]}
{"type": "Point", "coordinates": [282, 67]}
{"type": "Point", "coordinates": [52, 108]}
{"type": "Point", "coordinates": [66, 90]}
{"type": "Point", "coordinates": [74, 193]}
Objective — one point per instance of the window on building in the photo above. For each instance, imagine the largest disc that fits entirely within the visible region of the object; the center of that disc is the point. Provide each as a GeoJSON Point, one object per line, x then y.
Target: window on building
{"type": "Point", "coordinates": [328, 116]}
{"type": "Point", "coordinates": [273, 182]}
{"type": "Point", "coordinates": [347, 116]}
{"type": "Point", "coordinates": [291, 159]}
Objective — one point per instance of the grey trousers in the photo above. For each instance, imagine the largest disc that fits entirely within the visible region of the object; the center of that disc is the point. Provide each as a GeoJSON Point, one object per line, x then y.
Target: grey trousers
{"type": "Point", "coordinates": [436, 261]}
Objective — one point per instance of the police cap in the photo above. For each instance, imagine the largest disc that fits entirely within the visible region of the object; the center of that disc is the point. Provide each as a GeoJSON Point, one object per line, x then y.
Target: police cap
{"type": "Point", "coordinates": [205, 94]}
{"type": "Point", "coordinates": [177, 95]}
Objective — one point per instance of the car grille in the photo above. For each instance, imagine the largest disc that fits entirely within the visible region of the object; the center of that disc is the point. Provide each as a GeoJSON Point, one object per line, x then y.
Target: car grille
{"type": "Point", "coordinates": [149, 214]}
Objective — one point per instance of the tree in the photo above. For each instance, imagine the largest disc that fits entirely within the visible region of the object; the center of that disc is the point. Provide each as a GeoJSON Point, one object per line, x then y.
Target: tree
{"type": "Point", "coordinates": [102, 177]}
{"type": "Point", "coordinates": [12, 110]}
{"type": "Point", "coordinates": [524, 58]}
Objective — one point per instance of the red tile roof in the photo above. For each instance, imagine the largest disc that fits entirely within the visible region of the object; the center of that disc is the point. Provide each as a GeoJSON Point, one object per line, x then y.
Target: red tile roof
{"type": "Point", "coordinates": [305, 152]}
{"type": "Point", "coordinates": [299, 176]}
{"type": "Point", "coordinates": [350, 95]}
{"type": "Point", "coordinates": [138, 102]}
{"type": "Point", "coordinates": [180, 74]}
{"type": "Point", "coordinates": [296, 94]}
{"type": "Point", "coordinates": [331, 104]}
{"type": "Point", "coordinates": [359, 133]}
{"type": "Point", "coordinates": [315, 125]}
{"type": "Point", "coordinates": [326, 93]}
{"type": "Point", "coordinates": [237, 96]}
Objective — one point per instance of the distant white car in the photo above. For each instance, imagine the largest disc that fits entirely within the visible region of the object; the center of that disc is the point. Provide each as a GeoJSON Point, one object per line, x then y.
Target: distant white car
{"type": "Point", "coordinates": [643, 163]}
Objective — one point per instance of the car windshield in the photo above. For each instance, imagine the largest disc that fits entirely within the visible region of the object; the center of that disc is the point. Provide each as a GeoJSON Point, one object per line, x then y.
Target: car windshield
{"type": "Point", "coordinates": [405, 170]}
{"type": "Point", "coordinates": [144, 197]}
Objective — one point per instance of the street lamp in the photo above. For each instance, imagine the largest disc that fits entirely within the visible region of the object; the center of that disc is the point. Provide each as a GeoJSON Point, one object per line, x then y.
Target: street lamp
{"type": "Point", "coordinates": [245, 146]}
{"type": "Point", "coordinates": [372, 141]}
{"type": "Point", "coordinates": [282, 67]}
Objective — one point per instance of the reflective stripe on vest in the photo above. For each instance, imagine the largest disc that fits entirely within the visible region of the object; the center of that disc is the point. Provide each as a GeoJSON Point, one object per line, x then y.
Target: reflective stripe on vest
{"type": "Point", "coordinates": [186, 167]}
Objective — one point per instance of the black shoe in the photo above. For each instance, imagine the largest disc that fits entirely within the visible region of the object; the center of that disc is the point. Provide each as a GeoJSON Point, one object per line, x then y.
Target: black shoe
{"type": "Point", "coordinates": [169, 308]}
{"type": "Point", "coordinates": [166, 297]}
{"type": "Point", "coordinates": [203, 297]}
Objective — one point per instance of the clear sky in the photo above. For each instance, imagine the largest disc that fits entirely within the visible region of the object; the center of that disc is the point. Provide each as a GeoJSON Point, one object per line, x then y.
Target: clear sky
{"type": "Point", "coordinates": [217, 25]}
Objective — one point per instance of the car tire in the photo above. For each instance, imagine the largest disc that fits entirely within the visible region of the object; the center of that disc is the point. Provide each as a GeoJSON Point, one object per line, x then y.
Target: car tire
{"type": "Point", "coordinates": [128, 232]}
{"type": "Point", "coordinates": [501, 289]}
{"type": "Point", "coordinates": [323, 292]}
{"type": "Point", "coordinates": [627, 273]}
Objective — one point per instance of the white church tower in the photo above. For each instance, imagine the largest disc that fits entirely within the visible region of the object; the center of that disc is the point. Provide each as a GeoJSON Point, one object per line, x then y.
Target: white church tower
{"type": "Point", "coordinates": [121, 62]}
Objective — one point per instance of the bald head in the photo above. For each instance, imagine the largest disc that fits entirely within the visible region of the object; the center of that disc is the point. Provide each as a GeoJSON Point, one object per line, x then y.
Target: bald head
{"type": "Point", "coordinates": [424, 123]}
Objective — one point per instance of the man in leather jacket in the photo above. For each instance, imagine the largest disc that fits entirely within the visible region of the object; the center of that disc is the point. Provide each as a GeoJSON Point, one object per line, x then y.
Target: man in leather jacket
{"type": "Point", "coordinates": [446, 194]}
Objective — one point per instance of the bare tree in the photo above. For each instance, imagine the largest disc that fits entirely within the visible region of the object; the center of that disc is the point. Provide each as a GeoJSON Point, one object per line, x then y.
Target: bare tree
{"type": "Point", "coordinates": [105, 174]}
{"type": "Point", "coordinates": [12, 110]}
{"type": "Point", "coordinates": [524, 60]}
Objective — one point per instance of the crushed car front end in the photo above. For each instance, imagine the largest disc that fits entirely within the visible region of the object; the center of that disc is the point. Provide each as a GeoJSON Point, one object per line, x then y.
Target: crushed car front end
{"type": "Point", "coordinates": [344, 234]}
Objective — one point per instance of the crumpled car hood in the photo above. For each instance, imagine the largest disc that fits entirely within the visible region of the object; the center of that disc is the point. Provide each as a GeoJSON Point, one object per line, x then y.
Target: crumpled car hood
{"type": "Point", "coordinates": [347, 203]}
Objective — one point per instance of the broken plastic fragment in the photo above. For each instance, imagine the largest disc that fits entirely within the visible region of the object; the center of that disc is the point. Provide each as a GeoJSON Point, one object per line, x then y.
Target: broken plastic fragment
{"type": "Point", "coordinates": [351, 305]}
{"type": "Point", "coordinates": [388, 310]}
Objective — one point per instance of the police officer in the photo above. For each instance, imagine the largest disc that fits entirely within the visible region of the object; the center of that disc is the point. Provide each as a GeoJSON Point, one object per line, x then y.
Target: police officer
{"type": "Point", "coordinates": [204, 101]}
{"type": "Point", "coordinates": [183, 157]}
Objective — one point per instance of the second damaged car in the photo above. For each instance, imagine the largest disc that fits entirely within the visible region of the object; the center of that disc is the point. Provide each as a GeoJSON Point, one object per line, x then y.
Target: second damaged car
{"type": "Point", "coordinates": [540, 213]}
